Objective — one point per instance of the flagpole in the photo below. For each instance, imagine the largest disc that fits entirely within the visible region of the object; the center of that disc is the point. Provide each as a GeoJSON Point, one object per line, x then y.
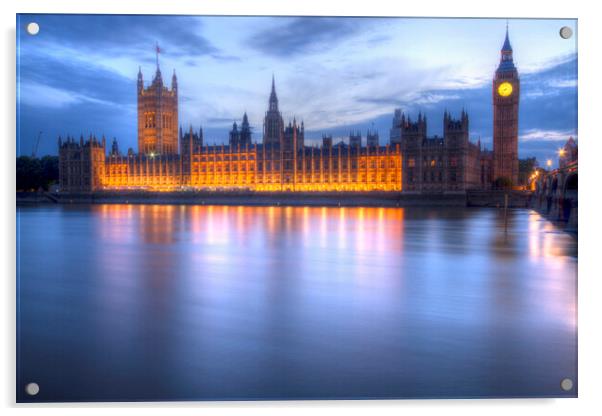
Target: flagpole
{"type": "Point", "coordinates": [157, 50]}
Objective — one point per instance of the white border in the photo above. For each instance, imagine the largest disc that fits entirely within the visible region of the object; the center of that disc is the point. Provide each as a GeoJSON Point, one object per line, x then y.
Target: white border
{"type": "Point", "coordinates": [590, 139]}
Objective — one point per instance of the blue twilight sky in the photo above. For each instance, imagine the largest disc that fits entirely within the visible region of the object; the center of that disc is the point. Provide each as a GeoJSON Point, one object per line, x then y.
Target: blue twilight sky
{"type": "Point", "coordinates": [78, 75]}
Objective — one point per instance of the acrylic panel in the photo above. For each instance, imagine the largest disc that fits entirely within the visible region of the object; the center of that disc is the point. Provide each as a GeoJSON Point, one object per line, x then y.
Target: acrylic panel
{"type": "Point", "coordinates": [285, 208]}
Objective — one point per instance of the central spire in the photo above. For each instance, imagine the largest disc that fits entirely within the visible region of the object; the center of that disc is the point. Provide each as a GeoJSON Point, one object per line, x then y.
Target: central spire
{"type": "Point", "coordinates": [273, 96]}
{"type": "Point", "coordinates": [507, 47]}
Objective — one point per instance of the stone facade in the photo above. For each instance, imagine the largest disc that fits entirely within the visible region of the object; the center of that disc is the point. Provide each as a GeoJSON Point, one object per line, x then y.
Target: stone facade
{"type": "Point", "coordinates": [447, 164]}
{"type": "Point", "coordinates": [81, 164]}
{"type": "Point", "coordinates": [157, 116]}
{"type": "Point", "coordinates": [283, 162]}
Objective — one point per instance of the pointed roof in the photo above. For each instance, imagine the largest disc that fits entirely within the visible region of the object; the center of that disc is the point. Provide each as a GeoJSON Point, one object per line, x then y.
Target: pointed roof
{"type": "Point", "coordinates": [273, 96]}
{"type": "Point", "coordinates": [506, 61]}
{"type": "Point", "coordinates": [245, 121]}
{"type": "Point", "coordinates": [507, 47]}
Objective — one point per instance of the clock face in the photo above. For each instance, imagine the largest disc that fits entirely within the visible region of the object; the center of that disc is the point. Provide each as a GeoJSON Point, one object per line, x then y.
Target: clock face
{"type": "Point", "coordinates": [504, 89]}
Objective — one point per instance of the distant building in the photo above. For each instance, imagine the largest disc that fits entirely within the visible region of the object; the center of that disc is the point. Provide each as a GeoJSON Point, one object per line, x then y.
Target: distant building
{"type": "Point", "coordinates": [568, 154]}
{"type": "Point", "coordinates": [526, 167]}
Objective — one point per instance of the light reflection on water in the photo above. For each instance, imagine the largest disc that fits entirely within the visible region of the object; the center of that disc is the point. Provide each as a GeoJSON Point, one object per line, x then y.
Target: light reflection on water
{"type": "Point", "coordinates": [155, 302]}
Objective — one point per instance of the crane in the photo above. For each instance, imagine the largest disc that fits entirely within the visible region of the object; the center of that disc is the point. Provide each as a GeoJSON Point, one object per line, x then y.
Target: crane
{"type": "Point", "coordinates": [34, 152]}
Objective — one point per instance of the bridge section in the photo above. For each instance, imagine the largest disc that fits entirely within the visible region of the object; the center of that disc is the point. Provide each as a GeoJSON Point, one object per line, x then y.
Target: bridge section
{"type": "Point", "coordinates": [556, 195]}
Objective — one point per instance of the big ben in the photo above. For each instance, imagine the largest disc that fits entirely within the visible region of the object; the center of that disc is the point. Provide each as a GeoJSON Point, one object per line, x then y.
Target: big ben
{"type": "Point", "coordinates": [506, 94]}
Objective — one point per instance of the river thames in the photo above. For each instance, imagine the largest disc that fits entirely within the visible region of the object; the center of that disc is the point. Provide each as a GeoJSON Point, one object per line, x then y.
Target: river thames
{"type": "Point", "coordinates": [161, 302]}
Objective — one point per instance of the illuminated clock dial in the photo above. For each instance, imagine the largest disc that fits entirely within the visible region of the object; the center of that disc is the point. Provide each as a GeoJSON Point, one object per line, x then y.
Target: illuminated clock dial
{"type": "Point", "coordinates": [504, 89]}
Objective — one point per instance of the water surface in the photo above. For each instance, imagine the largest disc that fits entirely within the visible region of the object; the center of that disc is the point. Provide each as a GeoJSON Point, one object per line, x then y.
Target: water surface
{"type": "Point", "coordinates": [154, 302]}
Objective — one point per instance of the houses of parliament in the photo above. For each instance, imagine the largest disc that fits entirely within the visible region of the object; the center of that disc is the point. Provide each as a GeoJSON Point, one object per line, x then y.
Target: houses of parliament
{"type": "Point", "coordinates": [170, 159]}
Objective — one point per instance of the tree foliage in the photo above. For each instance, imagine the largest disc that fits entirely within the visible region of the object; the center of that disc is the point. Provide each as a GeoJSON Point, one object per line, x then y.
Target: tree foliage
{"type": "Point", "coordinates": [36, 173]}
{"type": "Point", "coordinates": [503, 182]}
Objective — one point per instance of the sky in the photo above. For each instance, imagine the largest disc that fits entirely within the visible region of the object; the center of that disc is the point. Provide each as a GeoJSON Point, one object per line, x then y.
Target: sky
{"type": "Point", "coordinates": [78, 75]}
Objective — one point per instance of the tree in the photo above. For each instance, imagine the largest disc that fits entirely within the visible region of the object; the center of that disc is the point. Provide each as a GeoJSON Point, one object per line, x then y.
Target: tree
{"type": "Point", "coordinates": [503, 182]}
{"type": "Point", "coordinates": [35, 173]}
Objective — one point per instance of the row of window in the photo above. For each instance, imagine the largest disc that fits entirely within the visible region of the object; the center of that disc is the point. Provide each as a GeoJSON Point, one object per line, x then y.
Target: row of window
{"type": "Point", "coordinates": [225, 158]}
{"type": "Point", "coordinates": [432, 177]}
{"type": "Point", "coordinates": [453, 162]}
{"type": "Point", "coordinates": [151, 122]}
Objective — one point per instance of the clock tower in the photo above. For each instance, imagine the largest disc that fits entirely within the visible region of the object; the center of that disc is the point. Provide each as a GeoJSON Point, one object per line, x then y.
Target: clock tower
{"type": "Point", "coordinates": [506, 93]}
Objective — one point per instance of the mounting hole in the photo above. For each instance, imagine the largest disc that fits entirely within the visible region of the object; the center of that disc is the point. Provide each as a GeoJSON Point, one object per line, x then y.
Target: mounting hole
{"type": "Point", "coordinates": [566, 32]}
{"type": "Point", "coordinates": [33, 28]}
{"type": "Point", "coordinates": [566, 384]}
{"type": "Point", "coordinates": [32, 389]}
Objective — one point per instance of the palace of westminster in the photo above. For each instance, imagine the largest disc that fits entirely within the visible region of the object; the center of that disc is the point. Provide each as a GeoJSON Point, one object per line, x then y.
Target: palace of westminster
{"type": "Point", "coordinates": [170, 159]}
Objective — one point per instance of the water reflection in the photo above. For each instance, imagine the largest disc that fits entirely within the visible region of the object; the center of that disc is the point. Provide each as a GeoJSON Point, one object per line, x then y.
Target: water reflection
{"type": "Point", "coordinates": [133, 302]}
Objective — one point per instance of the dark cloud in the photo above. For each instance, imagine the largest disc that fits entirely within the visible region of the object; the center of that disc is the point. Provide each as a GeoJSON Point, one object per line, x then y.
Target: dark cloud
{"type": "Point", "coordinates": [123, 34]}
{"type": "Point", "coordinates": [304, 34]}
{"type": "Point", "coordinates": [77, 79]}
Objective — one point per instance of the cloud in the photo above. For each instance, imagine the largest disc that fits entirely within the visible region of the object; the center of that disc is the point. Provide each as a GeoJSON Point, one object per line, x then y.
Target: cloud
{"type": "Point", "coordinates": [547, 135]}
{"type": "Point", "coordinates": [42, 76]}
{"type": "Point", "coordinates": [124, 35]}
{"type": "Point", "coordinates": [420, 98]}
{"type": "Point", "coordinates": [303, 35]}
{"type": "Point", "coordinates": [562, 83]}
{"type": "Point", "coordinates": [39, 95]}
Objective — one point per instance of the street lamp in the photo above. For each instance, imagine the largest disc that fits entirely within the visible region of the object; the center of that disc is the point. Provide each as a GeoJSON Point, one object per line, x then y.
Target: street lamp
{"type": "Point", "coordinates": [549, 163]}
{"type": "Point", "coordinates": [561, 152]}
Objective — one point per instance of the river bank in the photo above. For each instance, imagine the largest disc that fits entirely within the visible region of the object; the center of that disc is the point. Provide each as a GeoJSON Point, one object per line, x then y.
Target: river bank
{"type": "Point", "coordinates": [516, 199]}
